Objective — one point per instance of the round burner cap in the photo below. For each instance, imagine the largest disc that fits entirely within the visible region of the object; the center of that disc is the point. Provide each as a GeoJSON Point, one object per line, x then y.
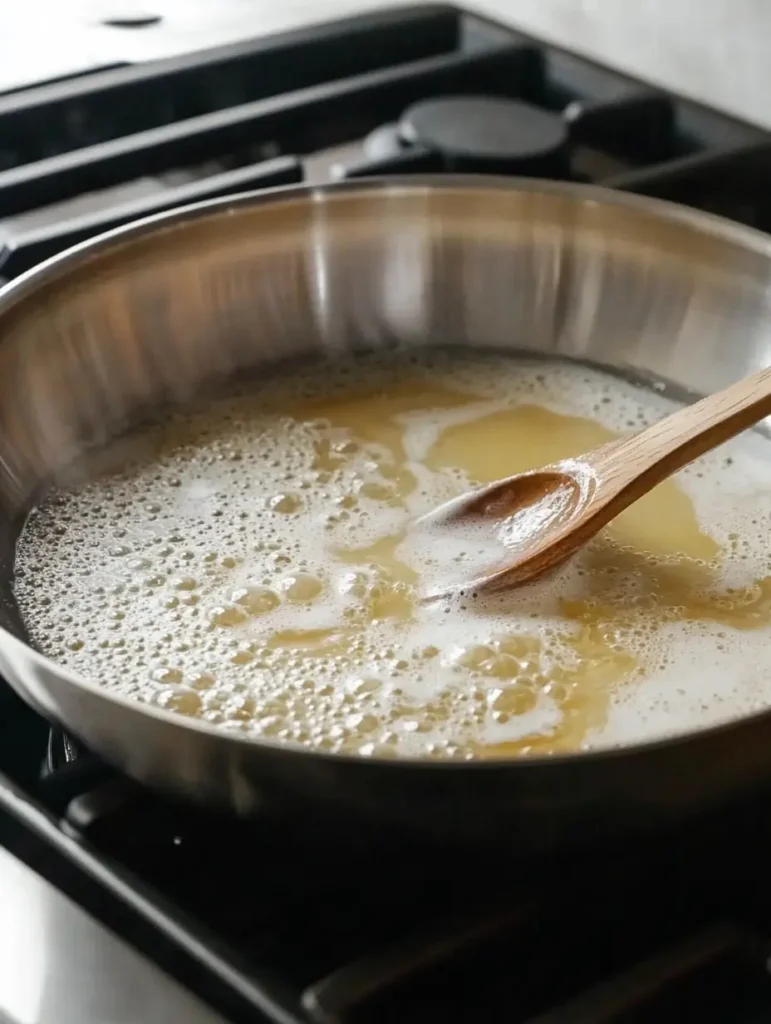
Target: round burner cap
{"type": "Point", "coordinates": [488, 133]}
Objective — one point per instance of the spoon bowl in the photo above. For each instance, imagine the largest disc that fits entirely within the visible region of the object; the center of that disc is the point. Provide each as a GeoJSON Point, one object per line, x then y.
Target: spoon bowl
{"type": "Point", "coordinates": [541, 495]}
{"type": "Point", "coordinates": [515, 513]}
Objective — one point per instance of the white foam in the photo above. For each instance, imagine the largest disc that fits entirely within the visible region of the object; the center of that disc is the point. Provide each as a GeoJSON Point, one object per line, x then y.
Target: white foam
{"type": "Point", "coordinates": [138, 564]}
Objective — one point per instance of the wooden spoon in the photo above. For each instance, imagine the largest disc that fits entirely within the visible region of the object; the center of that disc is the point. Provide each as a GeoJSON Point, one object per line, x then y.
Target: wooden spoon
{"type": "Point", "coordinates": [544, 516]}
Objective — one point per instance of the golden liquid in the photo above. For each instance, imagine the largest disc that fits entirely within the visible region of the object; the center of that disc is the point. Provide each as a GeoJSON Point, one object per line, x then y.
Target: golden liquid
{"type": "Point", "coordinates": [293, 610]}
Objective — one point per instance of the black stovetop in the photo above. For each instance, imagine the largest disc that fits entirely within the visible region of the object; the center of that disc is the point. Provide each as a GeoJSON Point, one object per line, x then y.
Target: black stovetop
{"type": "Point", "coordinates": [311, 920]}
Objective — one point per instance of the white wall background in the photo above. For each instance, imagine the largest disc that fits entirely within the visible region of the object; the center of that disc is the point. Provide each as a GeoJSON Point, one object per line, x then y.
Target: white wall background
{"type": "Point", "coordinates": [718, 51]}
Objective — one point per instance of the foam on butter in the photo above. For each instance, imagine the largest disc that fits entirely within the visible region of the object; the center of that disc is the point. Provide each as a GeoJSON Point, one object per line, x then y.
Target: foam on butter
{"type": "Point", "coordinates": [253, 566]}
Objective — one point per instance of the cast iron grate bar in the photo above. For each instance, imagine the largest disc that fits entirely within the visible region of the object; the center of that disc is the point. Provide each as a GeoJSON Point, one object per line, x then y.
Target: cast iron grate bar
{"type": "Point", "coordinates": [354, 105]}
{"type": "Point", "coordinates": [57, 80]}
{"type": "Point", "coordinates": [724, 962]}
{"type": "Point", "coordinates": [335, 998]}
{"type": "Point", "coordinates": [415, 160]}
{"type": "Point", "coordinates": [744, 170]}
{"type": "Point", "coordinates": [51, 119]}
{"type": "Point", "coordinates": [39, 244]}
{"type": "Point", "coordinates": [105, 797]}
{"type": "Point", "coordinates": [717, 975]}
{"type": "Point", "coordinates": [638, 128]}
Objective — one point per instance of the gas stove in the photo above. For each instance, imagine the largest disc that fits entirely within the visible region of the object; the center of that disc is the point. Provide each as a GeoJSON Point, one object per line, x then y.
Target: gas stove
{"type": "Point", "coordinates": [157, 911]}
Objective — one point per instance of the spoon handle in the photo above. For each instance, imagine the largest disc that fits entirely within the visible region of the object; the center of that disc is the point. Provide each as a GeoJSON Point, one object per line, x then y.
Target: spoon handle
{"type": "Point", "coordinates": [643, 459]}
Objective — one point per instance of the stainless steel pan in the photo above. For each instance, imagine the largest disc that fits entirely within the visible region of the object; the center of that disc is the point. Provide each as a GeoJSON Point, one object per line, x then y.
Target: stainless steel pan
{"type": "Point", "coordinates": [94, 339]}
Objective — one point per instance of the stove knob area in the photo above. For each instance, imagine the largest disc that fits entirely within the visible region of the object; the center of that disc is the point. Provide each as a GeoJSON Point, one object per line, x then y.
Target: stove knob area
{"type": "Point", "coordinates": [489, 135]}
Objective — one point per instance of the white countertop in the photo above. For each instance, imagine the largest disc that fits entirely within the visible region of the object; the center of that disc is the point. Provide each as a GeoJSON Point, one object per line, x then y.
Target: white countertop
{"type": "Point", "coordinates": [716, 51]}
{"type": "Point", "coordinates": [59, 966]}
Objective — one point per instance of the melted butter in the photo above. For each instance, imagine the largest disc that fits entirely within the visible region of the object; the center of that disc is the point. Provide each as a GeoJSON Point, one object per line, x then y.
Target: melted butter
{"type": "Point", "coordinates": [263, 575]}
{"type": "Point", "coordinates": [663, 523]}
{"type": "Point", "coordinates": [374, 415]}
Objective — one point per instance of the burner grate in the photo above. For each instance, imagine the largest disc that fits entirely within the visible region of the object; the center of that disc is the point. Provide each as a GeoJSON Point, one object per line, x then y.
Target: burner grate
{"type": "Point", "coordinates": [88, 154]}
{"type": "Point", "coordinates": [372, 927]}
{"type": "Point", "coordinates": [719, 975]}
{"type": "Point", "coordinates": [38, 244]}
{"type": "Point", "coordinates": [64, 116]}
